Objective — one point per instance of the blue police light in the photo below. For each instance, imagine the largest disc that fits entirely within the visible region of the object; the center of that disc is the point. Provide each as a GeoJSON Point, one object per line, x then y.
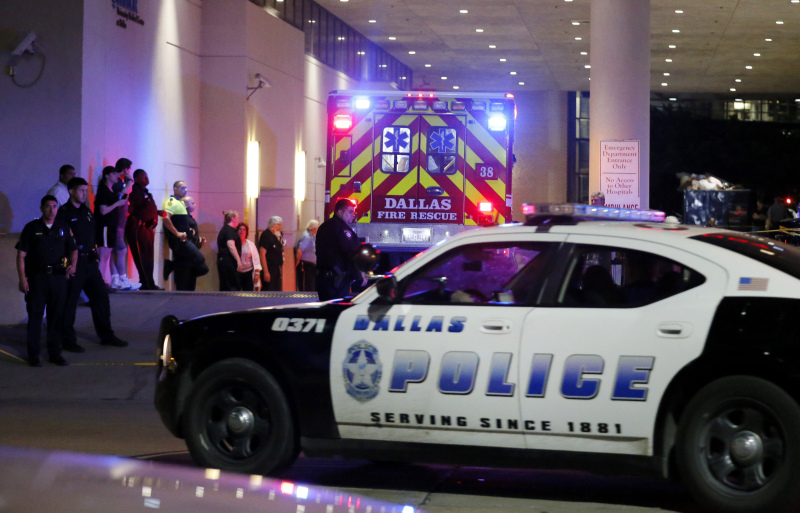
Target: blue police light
{"type": "Point", "coordinates": [497, 123]}
{"type": "Point", "coordinates": [592, 212]}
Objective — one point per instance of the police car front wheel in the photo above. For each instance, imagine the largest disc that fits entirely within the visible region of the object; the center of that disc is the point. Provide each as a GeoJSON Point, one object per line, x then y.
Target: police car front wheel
{"type": "Point", "coordinates": [237, 419]}
{"type": "Point", "coordinates": [738, 448]}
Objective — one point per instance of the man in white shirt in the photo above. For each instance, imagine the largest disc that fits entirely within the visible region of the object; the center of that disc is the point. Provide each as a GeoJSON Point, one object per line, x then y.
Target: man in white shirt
{"type": "Point", "coordinates": [59, 190]}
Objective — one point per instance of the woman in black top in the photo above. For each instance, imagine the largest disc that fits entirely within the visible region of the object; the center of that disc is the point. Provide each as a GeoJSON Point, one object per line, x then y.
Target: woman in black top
{"type": "Point", "coordinates": [229, 245]}
{"type": "Point", "coordinates": [270, 251]}
{"type": "Point", "coordinates": [108, 207]}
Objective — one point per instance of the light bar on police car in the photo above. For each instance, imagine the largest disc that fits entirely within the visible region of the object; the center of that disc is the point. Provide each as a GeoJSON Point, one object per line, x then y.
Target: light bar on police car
{"type": "Point", "coordinates": [582, 211]}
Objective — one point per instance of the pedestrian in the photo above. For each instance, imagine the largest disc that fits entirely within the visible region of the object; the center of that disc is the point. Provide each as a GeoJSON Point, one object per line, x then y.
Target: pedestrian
{"type": "Point", "coordinates": [108, 207]}
{"type": "Point", "coordinates": [87, 278]}
{"type": "Point", "coordinates": [119, 255]}
{"type": "Point", "coordinates": [306, 258]}
{"type": "Point", "coordinates": [187, 260]}
{"type": "Point", "coordinates": [229, 246]}
{"type": "Point", "coordinates": [59, 190]}
{"type": "Point", "coordinates": [140, 228]}
{"type": "Point", "coordinates": [776, 213]}
{"type": "Point", "coordinates": [46, 258]}
{"type": "Point", "coordinates": [760, 216]}
{"type": "Point", "coordinates": [250, 275]}
{"type": "Point", "coordinates": [270, 252]}
{"type": "Point", "coordinates": [337, 244]}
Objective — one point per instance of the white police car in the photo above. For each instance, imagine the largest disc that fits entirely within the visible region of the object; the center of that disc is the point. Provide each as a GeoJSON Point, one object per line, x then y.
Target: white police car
{"type": "Point", "coordinates": [632, 347]}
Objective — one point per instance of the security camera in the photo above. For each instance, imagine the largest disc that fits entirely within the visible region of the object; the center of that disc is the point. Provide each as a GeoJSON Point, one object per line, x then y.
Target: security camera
{"type": "Point", "coordinates": [262, 82]}
{"type": "Point", "coordinates": [25, 46]}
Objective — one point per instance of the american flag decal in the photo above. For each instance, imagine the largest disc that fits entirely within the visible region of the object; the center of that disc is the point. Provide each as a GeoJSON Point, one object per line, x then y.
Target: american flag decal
{"type": "Point", "coordinates": [753, 283]}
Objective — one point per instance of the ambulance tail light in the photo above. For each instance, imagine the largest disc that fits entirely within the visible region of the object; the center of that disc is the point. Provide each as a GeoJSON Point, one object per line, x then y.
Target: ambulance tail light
{"type": "Point", "coordinates": [485, 206]}
{"type": "Point", "coordinates": [497, 123]}
{"type": "Point", "coordinates": [342, 122]}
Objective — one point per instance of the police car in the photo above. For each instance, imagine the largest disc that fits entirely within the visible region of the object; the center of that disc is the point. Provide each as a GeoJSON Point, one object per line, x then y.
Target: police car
{"type": "Point", "coordinates": [635, 347]}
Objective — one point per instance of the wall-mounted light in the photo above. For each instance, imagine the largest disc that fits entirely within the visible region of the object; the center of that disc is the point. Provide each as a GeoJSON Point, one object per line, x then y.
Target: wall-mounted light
{"type": "Point", "coordinates": [253, 169]}
{"type": "Point", "coordinates": [300, 176]}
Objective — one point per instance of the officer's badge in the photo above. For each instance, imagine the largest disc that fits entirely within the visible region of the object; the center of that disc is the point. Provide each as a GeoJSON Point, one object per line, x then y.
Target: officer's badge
{"type": "Point", "coordinates": [362, 370]}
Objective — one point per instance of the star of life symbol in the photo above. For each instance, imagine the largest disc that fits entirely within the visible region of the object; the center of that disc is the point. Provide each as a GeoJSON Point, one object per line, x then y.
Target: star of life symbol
{"type": "Point", "coordinates": [396, 139]}
{"type": "Point", "coordinates": [442, 140]}
{"type": "Point", "coordinates": [362, 370]}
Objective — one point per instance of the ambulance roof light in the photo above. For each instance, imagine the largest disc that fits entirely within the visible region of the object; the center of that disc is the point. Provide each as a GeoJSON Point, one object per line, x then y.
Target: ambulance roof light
{"type": "Point", "coordinates": [362, 103]}
{"type": "Point", "coordinates": [509, 95]}
{"type": "Point", "coordinates": [579, 211]}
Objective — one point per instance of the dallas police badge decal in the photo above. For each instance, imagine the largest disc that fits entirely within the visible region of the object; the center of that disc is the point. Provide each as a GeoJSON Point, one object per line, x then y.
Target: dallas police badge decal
{"type": "Point", "coordinates": [362, 370]}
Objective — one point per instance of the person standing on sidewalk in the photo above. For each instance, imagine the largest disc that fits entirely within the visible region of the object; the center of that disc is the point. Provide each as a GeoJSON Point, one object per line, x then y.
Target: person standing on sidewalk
{"type": "Point", "coordinates": [187, 260]}
{"type": "Point", "coordinates": [140, 228]}
{"type": "Point", "coordinates": [46, 258]}
{"type": "Point", "coordinates": [87, 277]}
{"type": "Point", "coordinates": [59, 190]}
{"type": "Point", "coordinates": [337, 244]}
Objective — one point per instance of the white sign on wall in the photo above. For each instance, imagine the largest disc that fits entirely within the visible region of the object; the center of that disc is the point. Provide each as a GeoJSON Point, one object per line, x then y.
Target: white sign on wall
{"type": "Point", "coordinates": [619, 173]}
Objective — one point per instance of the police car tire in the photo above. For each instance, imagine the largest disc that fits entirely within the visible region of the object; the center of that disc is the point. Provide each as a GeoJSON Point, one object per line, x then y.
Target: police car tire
{"type": "Point", "coordinates": [733, 409]}
{"type": "Point", "coordinates": [238, 419]}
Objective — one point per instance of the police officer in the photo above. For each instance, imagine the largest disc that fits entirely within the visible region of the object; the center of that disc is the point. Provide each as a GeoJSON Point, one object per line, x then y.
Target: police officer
{"type": "Point", "coordinates": [87, 273]}
{"type": "Point", "coordinates": [337, 244]}
{"type": "Point", "coordinates": [187, 260]}
{"type": "Point", "coordinates": [46, 257]}
{"type": "Point", "coordinates": [140, 228]}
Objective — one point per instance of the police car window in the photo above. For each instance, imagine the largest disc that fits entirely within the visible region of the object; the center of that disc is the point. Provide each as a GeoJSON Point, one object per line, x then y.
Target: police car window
{"type": "Point", "coordinates": [395, 149]}
{"type": "Point", "coordinates": [497, 274]}
{"type": "Point", "coordinates": [442, 143]}
{"type": "Point", "coordinates": [606, 277]}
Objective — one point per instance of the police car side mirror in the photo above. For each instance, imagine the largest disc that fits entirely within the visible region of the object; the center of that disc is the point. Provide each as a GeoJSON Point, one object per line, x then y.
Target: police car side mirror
{"type": "Point", "coordinates": [366, 258]}
{"type": "Point", "coordinates": [387, 288]}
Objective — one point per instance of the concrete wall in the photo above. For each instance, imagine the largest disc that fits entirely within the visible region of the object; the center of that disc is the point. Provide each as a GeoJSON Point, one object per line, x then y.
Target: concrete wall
{"type": "Point", "coordinates": [40, 125]}
{"type": "Point", "coordinates": [541, 148]}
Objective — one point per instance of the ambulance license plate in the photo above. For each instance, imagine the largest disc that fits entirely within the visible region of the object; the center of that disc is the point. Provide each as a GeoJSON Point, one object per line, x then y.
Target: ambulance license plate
{"type": "Point", "coordinates": [416, 234]}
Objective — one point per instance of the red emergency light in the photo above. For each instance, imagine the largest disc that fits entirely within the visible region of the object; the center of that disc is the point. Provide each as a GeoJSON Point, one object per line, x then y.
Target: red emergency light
{"type": "Point", "coordinates": [485, 206]}
{"type": "Point", "coordinates": [788, 201]}
{"type": "Point", "coordinates": [342, 122]}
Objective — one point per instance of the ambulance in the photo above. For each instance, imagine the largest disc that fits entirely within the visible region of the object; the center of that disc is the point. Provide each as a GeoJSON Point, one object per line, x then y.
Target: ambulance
{"type": "Point", "coordinates": [420, 166]}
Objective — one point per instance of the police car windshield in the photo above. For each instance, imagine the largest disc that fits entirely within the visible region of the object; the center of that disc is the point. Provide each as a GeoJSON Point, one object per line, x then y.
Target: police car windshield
{"type": "Point", "coordinates": [767, 251]}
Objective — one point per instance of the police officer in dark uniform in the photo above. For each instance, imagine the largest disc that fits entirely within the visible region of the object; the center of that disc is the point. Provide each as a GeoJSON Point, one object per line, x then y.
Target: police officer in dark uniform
{"type": "Point", "coordinates": [187, 260]}
{"type": "Point", "coordinates": [140, 228]}
{"type": "Point", "coordinates": [46, 257]}
{"type": "Point", "coordinates": [337, 244]}
{"type": "Point", "coordinates": [87, 277]}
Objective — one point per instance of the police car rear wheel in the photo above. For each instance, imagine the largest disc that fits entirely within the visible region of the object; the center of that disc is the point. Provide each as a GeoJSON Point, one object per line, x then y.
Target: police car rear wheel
{"type": "Point", "coordinates": [238, 419]}
{"type": "Point", "coordinates": [738, 447]}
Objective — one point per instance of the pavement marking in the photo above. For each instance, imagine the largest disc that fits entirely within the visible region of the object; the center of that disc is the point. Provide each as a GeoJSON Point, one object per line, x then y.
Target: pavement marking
{"type": "Point", "coordinates": [12, 356]}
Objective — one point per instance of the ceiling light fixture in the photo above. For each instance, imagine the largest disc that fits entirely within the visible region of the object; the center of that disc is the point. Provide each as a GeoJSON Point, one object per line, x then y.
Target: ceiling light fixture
{"type": "Point", "coordinates": [587, 66]}
{"type": "Point", "coordinates": [584, 53]}
{"type": "Point", "coordinates": [748, 67]}
{"type": "Point", "coordinates": [392, 38]}
{"type": "Point", "coordinates": [676, 31]}
{"type": "Point", "coordinates": [733, 89]}
{"type": "Point", "coordinates": [664, 84]}
{"type": "Point", "coordinates": [779, 22]}
{"type": "Point", "coordinates": [478, 30]}
{"type": "Point", "coordinates": [373, 21]}
{"type": "Point", "coordinates": [668, 60]}
{"type": "Point", "coordinates": [412, 52]}
{"type": "Point", "coordinates": [455, 87]}
{"type": "Point", "coordinates": [678, 11]}
{"type": "Point", "coordinates": [463, 11]}
{"type": "Point", "coordinates": [666, 74]}
{"type": "Point", "coordinates": [444, 78]}
{"type": "Point", "coordinates": [768, 40]}
{"type": "Point", "coordinates": [738, 80]}
{"type": "Point", "coordinates": [672, 46]}
{"type": "Point", "coordinates": [756, 55]}
{"type": "Point", "coordinates": [576, 22]}
{"type": "Point", "coordinates": [492, 46]}
{"type": "Point", "coordinates": [673, 99]}
{"type": "Point", "coordinates": [427, 65]}
{"type": "Point", "coordinates": [502, 60]}
{"type": "Point", "coordinates": [512, 73]}
{"type": "Point", "coordinates": [578, 38]}
{"type": "Point", "coordinates": [522, 83]}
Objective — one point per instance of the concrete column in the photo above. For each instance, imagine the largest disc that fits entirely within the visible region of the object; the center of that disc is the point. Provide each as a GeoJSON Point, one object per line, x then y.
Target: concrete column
{"type": "Point", "coordinates": [620, 85]}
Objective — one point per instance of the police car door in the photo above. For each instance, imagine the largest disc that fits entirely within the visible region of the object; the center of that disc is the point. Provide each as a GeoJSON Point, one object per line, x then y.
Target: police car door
{"type": "Point", "coordinates": [627, 317]}
{"type": "Point", "coordinates": [440, 365]}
